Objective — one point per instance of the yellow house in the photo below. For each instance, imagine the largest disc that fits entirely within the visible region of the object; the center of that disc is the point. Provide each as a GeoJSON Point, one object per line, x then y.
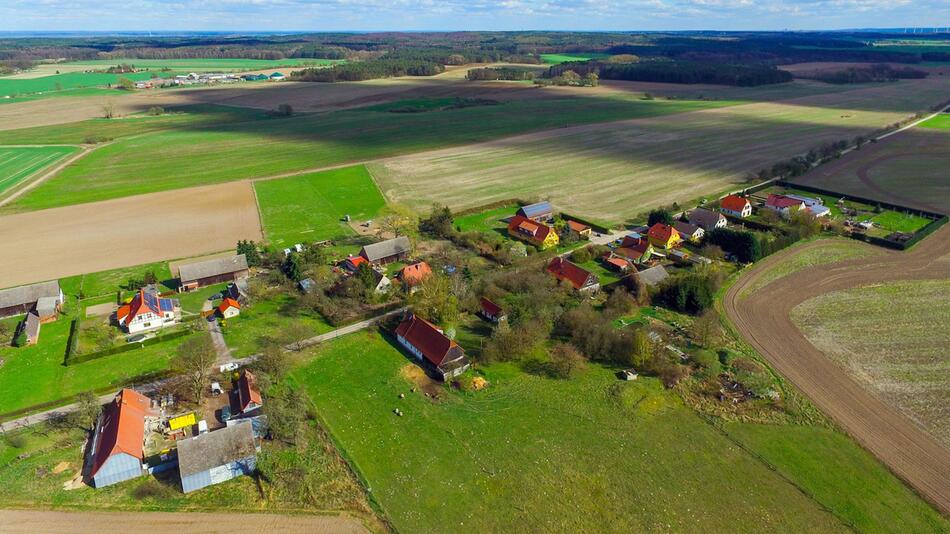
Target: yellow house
{"type": "Point", "coordinates": [538, 234]}
{"type": "Point", "coordinates": [663, 236]}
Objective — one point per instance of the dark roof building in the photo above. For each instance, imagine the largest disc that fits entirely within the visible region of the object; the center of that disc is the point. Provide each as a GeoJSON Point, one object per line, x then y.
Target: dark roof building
{"type": "Point", "coordinates": [430, 346]}
{"type": "Point", "coordinates": [689, 231]}
{"type": "Point", "coordinates": [31, 328]}
{"type": "Point", "coordinates": [653, 276]}
{"type": "Point", "coordinates": [17, 300]}
{"type": "Point", "coordinates": [539, 211]}
{"type": "Point", "coordinates": [387, 251]}
{"type": "Point", "coordinates": [217, 456]}
{"type": "Point", "coordinates": [706, 219]}
{"type": "Point", "coordinates": [580, 278]}
{"type": "Point", "coordinates": [204, 273]}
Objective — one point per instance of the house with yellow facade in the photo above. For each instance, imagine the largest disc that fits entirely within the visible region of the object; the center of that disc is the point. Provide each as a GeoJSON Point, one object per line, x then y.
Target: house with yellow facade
{"type": "Point", "coordinates": [536, 233]}
{"type": "Point", "coordinates": [663, 236]}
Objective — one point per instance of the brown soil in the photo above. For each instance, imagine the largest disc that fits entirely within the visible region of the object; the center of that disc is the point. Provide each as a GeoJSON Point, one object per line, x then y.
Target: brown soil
{"type": "Point", "coordinates": [764, 319]}
{"type": "Point", "coordinates": [30, 521]}
{"type": "Point", "coordinates": [59, 242]}
{"type": "Point", "coordinates": [423, 382]}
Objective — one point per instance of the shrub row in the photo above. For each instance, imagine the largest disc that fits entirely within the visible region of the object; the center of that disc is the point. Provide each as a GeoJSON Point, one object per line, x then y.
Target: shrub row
{"type": "Point", "coordinates": [73, 359]}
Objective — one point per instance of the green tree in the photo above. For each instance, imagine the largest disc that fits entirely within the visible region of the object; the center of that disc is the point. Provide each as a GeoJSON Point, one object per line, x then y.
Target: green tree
{"type": "Point", "coordinates": [125, 83]}
{"type": "Point", "coordinates": [438, 223]}
{"type": "Point", "coordinates": [194, 360]}
{"type": "Point", "coordinates": [250, 251]}
{"type": "Point", "coordinates": [87, 411]}
{"type": "Point", "coordinates": [434, 300]}
{"type": "Point", "coordinates": [660, 215]}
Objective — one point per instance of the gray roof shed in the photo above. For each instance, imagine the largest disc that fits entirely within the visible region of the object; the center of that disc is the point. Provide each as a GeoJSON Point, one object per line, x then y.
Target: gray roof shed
{"type": "Point", "coordinates": [215, 267]}
{"type": "Point", "coordinates": [214, 449]}
{"type": "Point", "coordinates": [386, 249]}
{"type": "Point", "coordinates": [16, 296]}
{"type": "Point", "coordinates": [653, 275]}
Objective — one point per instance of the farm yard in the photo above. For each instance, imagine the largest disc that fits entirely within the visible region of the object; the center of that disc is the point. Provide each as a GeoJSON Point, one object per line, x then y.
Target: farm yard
{"type": "Point", "coordinates": [465, 457]}
{"type": "Point", "coordinates": [90, 238]}
{"type": "Point", "coordinates": [905, 361]}
{"type": "Point", "coordinates": [311, 207]}
{"type": "Point", "coordinates": [906, 168]}
{"type": "Point", "coordinates": [19, 163]}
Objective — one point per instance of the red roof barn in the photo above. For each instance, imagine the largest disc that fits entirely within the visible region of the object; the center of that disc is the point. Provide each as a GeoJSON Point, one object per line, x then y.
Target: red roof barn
{"type": "Point", "coordinates": [429, 345]}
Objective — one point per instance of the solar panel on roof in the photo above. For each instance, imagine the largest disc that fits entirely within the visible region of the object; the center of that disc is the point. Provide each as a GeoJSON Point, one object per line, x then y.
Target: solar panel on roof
{"type": "Point", "coordinates": [166, 304]}
{"type": "Point", "coordinates": [151, 301]}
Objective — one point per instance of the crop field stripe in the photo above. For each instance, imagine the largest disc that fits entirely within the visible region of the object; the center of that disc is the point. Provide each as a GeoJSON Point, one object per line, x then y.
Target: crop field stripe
{"type": "Point", "coordinates": [16, 164]}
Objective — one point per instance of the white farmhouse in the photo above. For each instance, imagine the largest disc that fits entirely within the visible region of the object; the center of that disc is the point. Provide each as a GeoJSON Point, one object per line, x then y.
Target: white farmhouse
{"type": "Point", "coordinates": [148, 311]}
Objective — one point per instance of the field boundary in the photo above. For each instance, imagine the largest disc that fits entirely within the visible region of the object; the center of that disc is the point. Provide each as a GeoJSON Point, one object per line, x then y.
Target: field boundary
{"type": "Point", "coordinates": [33, 180]}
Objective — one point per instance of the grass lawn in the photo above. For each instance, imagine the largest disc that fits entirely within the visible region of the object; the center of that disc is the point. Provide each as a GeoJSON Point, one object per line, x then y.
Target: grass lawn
{"type": "Point", "coordinates": [311, 207]}
{"type": "Point", "coordinates": [263, 320]}
{"type": "Point", "coordinates": [83, 91]}
{"type": "Point", "coordinates": [486, 221]}
{"type": "Point", "coordinates": [589, 453]}
{"type": "Point", "coordinates": [106, 283]}
{"type": "Point", "coordinates": [605, 275]}
{"type": "Point", "coordinates": [18, 163]}
{"type": "Point", "coordinates": [893, 221]}
{"type": "Point", "coordinates": [554, 59]}
{"type": "Point", "coordinates": [198, 64]}
{"type": "Point", "coordinates": [940, 122]}
{"type": "Point", "coordinates": [70, 80]}
{"type": "Point", "coordinates": [247, 144]}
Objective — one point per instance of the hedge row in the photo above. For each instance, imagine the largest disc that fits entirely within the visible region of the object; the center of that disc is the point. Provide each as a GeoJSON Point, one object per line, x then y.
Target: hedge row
{"type": "Point", "coordinates": [81, 358]}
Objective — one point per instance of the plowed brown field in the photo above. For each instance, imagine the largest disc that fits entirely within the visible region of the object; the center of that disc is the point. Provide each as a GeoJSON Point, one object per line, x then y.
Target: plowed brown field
{"type": "Point", "coordinates": [763, 317]}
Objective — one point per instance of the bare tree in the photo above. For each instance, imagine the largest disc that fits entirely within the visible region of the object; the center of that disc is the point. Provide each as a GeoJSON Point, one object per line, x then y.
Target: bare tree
{"type": "Point", "coordinates": [706, 328]}
{"type": "Point", "coordinates": [195, 358]}
{"type": "Point", "coordinates": [108, 110]}
{"type": "Point", "coordinates": [87, 411]}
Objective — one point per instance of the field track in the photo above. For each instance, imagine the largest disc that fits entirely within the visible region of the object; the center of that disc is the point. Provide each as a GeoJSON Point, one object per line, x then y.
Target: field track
{"type": "Point", "coordinates": [763, 318]}
{"type": "Point", "coordinates": [87, 238]}
{"type": "Point", "coordinates": [28, 521]}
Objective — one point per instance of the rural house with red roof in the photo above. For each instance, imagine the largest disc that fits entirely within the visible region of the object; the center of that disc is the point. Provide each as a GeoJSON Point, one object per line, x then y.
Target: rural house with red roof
{"type": "Point", "coordinates": [229, 308]}
{"type": "Point", "coordinates": [491, 311]}
{"type": "Point", "coordinates": [736, 206]}
{"type": "Point", "coordinates": [580, 229]}
{"type": "Point", "coordinates": [536, 233]}
{"type": "Point", "coordinates": [116, 452]}
{"type": "Point", "coordinates": [663, 236]}
{"type": "Point", "coordinates": [249, 395]}
{"type": "Point", "coordinates": [639, 251]}
{"type": "Point", "coordinates": [147, 311]}
{"type": "Point", "coordinates": [437, 353]}
{"type": "Point", "coordinates": [580, 278]}
{"type": "Point", "coordinates": [783, 205]}
{"type": "Point", "coordinates": [415, 274]}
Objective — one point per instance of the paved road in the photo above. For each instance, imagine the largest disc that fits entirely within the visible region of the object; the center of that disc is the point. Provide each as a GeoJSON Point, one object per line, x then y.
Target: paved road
{"type": "Point", "coordinates": [763, 318]}
{"type": "Point", "coordinates": [151, 387]}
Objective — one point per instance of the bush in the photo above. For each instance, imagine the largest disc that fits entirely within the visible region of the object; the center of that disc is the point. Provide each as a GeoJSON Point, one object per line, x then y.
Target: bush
{"type": "Point", "coordinates": [153, 489]}
{"type": "Point", "coordinates": [660, 216]}
{"type": "Point", "coordinates": [707, 361]}
{"type": "Point", "coordinates": [688, 292]}
{"type": "Point", "coordinates": [743, 245]}
{"type": "Point", "coordinates": [156, 110]}
{"type": "Point", "coordinates": [581, 255]}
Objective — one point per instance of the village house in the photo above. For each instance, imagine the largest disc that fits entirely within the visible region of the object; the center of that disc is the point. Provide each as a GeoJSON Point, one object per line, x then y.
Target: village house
{"type": "Point", "coordinates": [205, 273]}
{"type": "Point", "coordinates": [536, 233]}
{"type": "Point", "coordinates": [22, 299]}
{"type": "Point", "coordinates": [248, 394]}
{"type": "Point", "coordinates": [229, 308]}
{"type": "Point", "coordinates": [580, 279]}
{"type": "Point", "coordinates": [216, 457]}
{"type": "Point", "coordinates": [413, 275]}
{"type": "Point", "coordinates": [441, 355]}
{"type": "Point", "coordinates": [537, 212]}
{"type": "Point", "coordinates": [352, 263]}
{"type": "Point", "coordinates": [147, 311]}
{"type": "Point", "coordinates": [30, 328]}
{"type": "Point", "coordinates": [706, 219]}
{"type": "Point", "coordinates": [386, 252]}
{"type": "Point", "coordinates": [814, 206]}
{"type": "Point", "coordinates": [580, 229]}
{"type": "Point", "coordinates": [492, 311]}
{"type": "Point", "coordinates": [663, 236]}
{"type": "Point", "coordinates": [736, 206]}
{"type": "Point", "coordinates": [116, 450]}
{"type": "Point", "coordinates": [638, 251]}
{"type": "Point", "coordinates": [783, 205]}
{"type": "Point", "coordinates": [690, 232]}
{"type": "Point", "coordinates": [617, 263]}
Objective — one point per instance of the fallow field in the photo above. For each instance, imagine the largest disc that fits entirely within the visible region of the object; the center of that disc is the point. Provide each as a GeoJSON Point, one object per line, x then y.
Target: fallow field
{"type": "Point", "coordinates": [905, 361]}
{"type": "Point", "coordinates": [19, 163]}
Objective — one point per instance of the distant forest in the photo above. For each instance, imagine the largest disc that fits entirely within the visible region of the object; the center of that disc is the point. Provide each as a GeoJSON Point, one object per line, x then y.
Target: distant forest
{"type": "Point", "coordinates": [735, 58]}
{"type": "Point", "coordinates": [678, 71]}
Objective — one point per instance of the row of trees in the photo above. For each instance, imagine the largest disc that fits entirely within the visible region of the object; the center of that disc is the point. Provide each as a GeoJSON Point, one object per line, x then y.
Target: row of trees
{"type": "Point", "coordinates": [369, 70]}
{"type": "Point", "coordinates": [677, 71]}
{"type": "Point", "coordinates": [881, 72]}
{"type": "Point", "coordinates": [500, 73]}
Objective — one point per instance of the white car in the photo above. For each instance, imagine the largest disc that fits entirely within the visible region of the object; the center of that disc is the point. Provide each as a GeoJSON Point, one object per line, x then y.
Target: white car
{"type": "Point", "coordinates": [229, 367]}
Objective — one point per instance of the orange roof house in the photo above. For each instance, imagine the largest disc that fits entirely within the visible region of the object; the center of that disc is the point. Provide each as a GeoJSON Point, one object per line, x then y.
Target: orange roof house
{"type": "Point", "coordinates": [580, 278]}
{"type": "Point", "coordinates": [736, 206]}
{"type": "Point", "coordinates": [431, 347]}
{"type": "Point", "coordinates": [413, 275]}
{"type": "Point", "coordinates": [229, 308]}
{"type": "Point", "coordinates": [663, 236]}
{"type": "Point", "coordinates": [353, 263]}
{"type": "Point", "coordinates": [536, 233]}
{"type": "Point", "coordinates": [148, 311]}
{"type": "Point", "coordinates": [117, 448]}
{"type": "Point", "coordinates": [249, 396]}
{"type": "Point", "coordinates": [579, 228]}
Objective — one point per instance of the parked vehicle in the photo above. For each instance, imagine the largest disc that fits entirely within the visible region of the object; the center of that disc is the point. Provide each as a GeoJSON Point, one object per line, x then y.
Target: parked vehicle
{"type": "Point", "coordinates": [230, 366]}
{"type": "Point", "coordinates": [225, 415]}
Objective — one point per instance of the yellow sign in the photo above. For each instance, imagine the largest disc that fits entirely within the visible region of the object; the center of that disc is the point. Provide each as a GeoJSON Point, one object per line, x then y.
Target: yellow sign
{"type": "Point", "coordinates": [182, 421]}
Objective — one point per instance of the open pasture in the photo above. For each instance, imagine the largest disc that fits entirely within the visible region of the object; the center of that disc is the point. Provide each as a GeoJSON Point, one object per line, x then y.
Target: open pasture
{"type": "Point", "coordinates": [60, 82]}
{"type": "Point", "coordinates": [19, 163]}
{"type": "Point", "coordinates": [50, 244]}
{"type": "Point", "coordinates": [908, 168]}
{"type": "Point", "coordinates": [616, 170]}
{"type": "Point", "coordinates": [906, 361]}
{"type": "Point", "coordinates": [555, 59]}
{"type": "Point", "coordinates": [615, 456]}
{"type": "Point", "coordinates": [189, 64]}
{"type": "Point", "coordinates": [311, 207]}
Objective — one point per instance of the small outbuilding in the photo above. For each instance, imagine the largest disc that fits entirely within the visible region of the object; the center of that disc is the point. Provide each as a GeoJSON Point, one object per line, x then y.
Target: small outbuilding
{"type": "Point", "coordinates": [216, 457]}
{"type": "Point", "coordinates": [229, 308]}
{"type": "Point", "coordinates": [492, 311]}
{"type": "Point", "coordinates": [249, 395]}
{"type": "Point", "coordinates": [30, 327]}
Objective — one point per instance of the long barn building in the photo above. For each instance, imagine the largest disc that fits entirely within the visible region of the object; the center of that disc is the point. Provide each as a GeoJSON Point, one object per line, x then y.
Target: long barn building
{"type": "Point", "coordinates": [205, 273]}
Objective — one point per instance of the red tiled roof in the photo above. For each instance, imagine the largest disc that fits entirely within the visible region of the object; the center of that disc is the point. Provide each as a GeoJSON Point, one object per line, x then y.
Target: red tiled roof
{"type": "Point", "coordinates": [662, 232]}
{"type": "Point", "coordinates": [136, 307]}
{"type": "Point", "coordinates": [228, 302]}
{"type": "Point", "coordinates": [534, 231]}
{"type": "Point", "coordinates": [247, 390]}
{"type": "Point", "coordinates": [122, 429]}
{"type": "Point", "coordinates": [781, 201]}
{"type": "Point", "coordinates": [414, 274]}
{"type": "Point", "coordinates": [490, 307]}
{"type": "Point", "coordinates": [425, 337]}
{"type": "Point", "coordinates": [620, 263]}
{"type": "Point", "coordinates": [565, 270]}
{"type": "Point", "coordinates": [355, 261]}
{"type": "Point", "coordinates": [640, 245]}
{"type": "Point", "coordinates": [733, 203]}
{"type": "Point", "coordinates": [577, 227]}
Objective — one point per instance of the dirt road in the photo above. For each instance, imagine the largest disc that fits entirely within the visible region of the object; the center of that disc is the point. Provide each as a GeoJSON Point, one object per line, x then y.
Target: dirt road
{"type": "Point", "coordinates": [763, 319]}
{"type": "Point", "coordinates": [29, 521]}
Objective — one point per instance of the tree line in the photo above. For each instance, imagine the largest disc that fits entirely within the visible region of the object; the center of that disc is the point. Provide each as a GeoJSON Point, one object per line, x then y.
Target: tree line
{"type": "Point", "coordinates": [675, 71]}
{"type": "Point", "coordinates": [875, 73]}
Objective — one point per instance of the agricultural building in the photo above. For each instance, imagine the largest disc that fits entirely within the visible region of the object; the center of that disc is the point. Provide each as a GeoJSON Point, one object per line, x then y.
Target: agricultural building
{"type": "Point", "coordinates": [216, 457]}
{"type": "Point", "coordinates": [386, 251]}
{"type": "Point", "coordinates": [491, 311]}
{"type": "Point", "coordinates": [30, 327]}
{"type": "Point", "coordinates": [536, 233]}
{"type": "Point", "coordinates": [249, 396]}
{"type": "Point", "coordinates": [690, 232]}
{"type": "Point", "coordinates": [439, 354]}
{"type": "Point", "coordinates": [148, 311]}
{"type": "Point", "coordinates": [205, 273]}
{"type": "Point", "coordinates": [538, 212]}
{"type": "Point", "coordinates": [736, 206]}
{"type": "Point", "coordinates": [581, 279]}
{"type": "Point", "coordinates": [229, 308]}
{"type": "Point", "coordinates": [22, 299]}
{"type": "Point", "coordinates": [708, 220]}
{"type": "Point", "coordinates": [116, 451]}
{"type": "Point", "coordinates": [663, 236]}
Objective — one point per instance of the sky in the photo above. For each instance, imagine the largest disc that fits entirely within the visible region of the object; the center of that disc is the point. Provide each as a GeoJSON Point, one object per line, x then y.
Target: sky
{"type": "Point", "coordinates": [421, 15]}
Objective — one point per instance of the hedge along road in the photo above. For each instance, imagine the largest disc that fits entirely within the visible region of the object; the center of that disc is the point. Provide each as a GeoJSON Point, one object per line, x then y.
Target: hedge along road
{"type": "Point", "coordinates": [763, 317]}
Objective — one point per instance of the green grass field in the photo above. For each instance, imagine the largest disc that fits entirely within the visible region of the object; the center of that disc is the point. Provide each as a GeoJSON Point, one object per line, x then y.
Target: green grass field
{"type": "Point", "coordinates": [554, 59]}
{"type": "Point", "coordinates": [19, 163]}
{"type": "Point", "coordinates": [310, 207]}
{"type": "Point", "coordinates": [940, 122]}
{"type": "Point", "coordinates": [249, 145]}
{"type": "Point", "coordinates": [892, 221]}
{"type": "Point", "coordinates": [589, 453]}
{"type": "Point", "coordinates": [905, 361]}
{"type": "Point", "coordinates": [263, 320]}
{"type": "Point", "coordinates": [61, 82]}
{"type": "Point", "coordinates": [198, 64]}
{"type": "Point", "coordinates": [82, 91]}
{"type": "Point", "coordinates": [486, 221]}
